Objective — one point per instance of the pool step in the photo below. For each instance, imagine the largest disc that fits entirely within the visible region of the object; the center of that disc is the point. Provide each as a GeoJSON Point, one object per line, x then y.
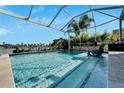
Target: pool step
{"type": "Point", "coordinates": [76, 77]}
{"type": "Point", "coordinates": [68, 73]}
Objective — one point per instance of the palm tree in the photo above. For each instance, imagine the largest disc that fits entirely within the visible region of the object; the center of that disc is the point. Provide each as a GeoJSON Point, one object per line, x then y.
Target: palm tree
{"type": "Point", "coordinates": [73, 26]}
{"type": "Point", "coordinates": [84, 22]}
{"type": "Point", "coordinates": [77, 25]}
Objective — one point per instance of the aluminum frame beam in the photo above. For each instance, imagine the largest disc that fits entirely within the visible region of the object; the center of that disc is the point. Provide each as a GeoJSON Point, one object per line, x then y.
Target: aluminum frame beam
{"type": "Point", "coordinates": [93, 21]}
{"type": "Point", "coordinates": [39, 23]}
{"type": "Point", "coordinates": [103, 23]}
{"type": "Point", "coordinates": [100, 24]}
{"type": "Point", "coordinates": [105, 8]}
{"type": "Point", "coordinates": [120, 27]}
{"type": "Point", "coordinates": [107, 14]}
{"type": "Point", "coordinates": [122, 14]}
{"type": "Point", "coordinates": [30, 12]}
{"type": "Point", "coordinates": [59, 11]}
{"type": "Point", "coordinates": [25, 18]}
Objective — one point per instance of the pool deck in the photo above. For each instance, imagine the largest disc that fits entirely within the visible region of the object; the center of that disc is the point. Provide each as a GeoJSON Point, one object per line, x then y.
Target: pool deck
{"type": "Point", "coordinates": [116, 70]}
{"type": "Point", "coordinates": [6, 76]}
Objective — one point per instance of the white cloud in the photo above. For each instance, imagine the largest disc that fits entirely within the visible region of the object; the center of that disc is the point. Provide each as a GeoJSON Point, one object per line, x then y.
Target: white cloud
{"type": "Point", "coordinates": [43, 19]}
{"type": "Point", "coordinates": [3, 31]}
{"type": "Point", "coordinates": [39, 8]}
{"type": "Point", "coordinates": [44, 8]}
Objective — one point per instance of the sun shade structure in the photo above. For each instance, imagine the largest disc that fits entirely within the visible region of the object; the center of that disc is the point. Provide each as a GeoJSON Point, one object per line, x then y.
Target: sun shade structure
{"type": "Point", "coordinates": [53, 20]}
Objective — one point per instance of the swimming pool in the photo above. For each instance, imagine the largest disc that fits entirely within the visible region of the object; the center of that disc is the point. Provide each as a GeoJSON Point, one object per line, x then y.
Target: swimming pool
{"type": "Point", "coordinates": [51, 69]}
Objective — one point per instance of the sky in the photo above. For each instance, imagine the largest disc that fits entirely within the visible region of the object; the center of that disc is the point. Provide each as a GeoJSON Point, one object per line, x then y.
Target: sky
{"type": "Point", "coordinates": [13, 30]}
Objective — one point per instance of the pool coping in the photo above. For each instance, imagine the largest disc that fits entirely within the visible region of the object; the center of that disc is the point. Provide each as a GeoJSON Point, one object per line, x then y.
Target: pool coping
{"type": "Point", "coordinates": [23, 53]}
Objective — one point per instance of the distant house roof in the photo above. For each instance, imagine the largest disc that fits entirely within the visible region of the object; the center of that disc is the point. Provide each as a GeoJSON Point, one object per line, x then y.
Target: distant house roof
{"type": "Point", "coordinates": [116, 31]}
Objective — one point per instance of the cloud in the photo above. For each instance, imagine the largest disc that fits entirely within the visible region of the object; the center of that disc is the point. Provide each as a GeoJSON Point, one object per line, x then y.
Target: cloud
{"type": "Point", "coordinates": [39, 8]}
{"type": "Point", "coordinates": [45, 20]}
{"type": "Point", "coordinates": [3, 6]}
{"type": "Point", "coordinates": [45, 9]}
{"type": "Point", "coordinates": [24, 26]}
{"type": "Point", "coordinates": [3, 31]}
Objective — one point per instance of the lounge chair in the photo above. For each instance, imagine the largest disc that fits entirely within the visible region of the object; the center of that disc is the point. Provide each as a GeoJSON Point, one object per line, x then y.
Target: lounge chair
{"type": "Point", "coordinates": [96, 53]}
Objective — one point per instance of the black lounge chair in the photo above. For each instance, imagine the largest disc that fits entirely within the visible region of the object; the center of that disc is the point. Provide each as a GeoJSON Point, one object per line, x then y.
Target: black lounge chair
{"type": "Point", "coordinates": [96, 53]}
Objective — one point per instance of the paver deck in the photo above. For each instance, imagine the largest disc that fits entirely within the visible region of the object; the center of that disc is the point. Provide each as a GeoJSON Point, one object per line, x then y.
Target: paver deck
{"type": "Point", "coordinates": [6, 76]}
{"type": "Point", "coordinates": [116, 70]}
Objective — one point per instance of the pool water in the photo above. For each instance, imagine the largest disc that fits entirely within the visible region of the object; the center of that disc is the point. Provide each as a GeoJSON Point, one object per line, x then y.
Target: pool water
{"type": "Point", "coordinates": [46, 69]}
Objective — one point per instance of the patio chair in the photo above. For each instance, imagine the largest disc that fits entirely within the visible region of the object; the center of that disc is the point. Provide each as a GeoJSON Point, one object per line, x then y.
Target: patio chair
{"type": "Point", "coordinates": [96, 53]}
